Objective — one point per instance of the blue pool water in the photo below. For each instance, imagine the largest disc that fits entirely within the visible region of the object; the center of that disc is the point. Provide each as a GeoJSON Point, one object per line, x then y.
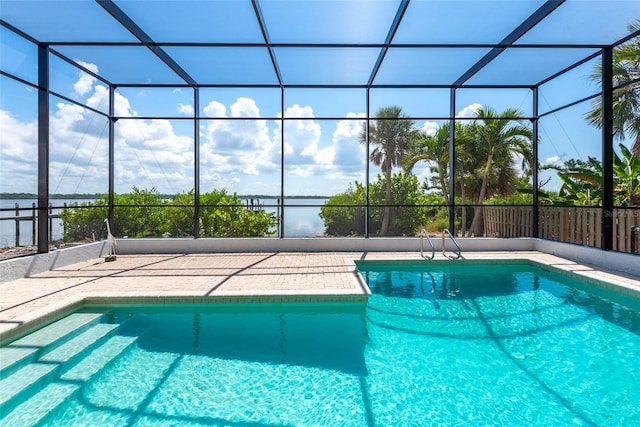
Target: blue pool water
{"type": "Point", "coordinates": [434, 345]}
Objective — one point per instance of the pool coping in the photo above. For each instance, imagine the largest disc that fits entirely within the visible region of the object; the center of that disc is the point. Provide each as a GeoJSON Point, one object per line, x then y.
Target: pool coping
{"type": "Point", "coordinates": [569, 271]}
{"type": "Point", "coordinates": [54, 312]}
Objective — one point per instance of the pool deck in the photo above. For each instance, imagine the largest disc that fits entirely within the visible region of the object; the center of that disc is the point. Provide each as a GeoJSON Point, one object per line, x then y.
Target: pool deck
{"type": "Point", "coordinates": [224, 277]}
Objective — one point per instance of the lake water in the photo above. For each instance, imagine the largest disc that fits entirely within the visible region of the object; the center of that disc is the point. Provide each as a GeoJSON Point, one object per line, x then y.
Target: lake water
{"type": "Point", "coordinates": [301, 218]}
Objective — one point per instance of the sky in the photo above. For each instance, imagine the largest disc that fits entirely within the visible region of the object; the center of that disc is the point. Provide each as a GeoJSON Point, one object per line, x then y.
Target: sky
{"type": "Point", "coordinates": [322, 150]}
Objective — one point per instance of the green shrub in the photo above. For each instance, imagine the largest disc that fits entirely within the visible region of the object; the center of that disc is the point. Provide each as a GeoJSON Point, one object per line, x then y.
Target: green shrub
{"type": "Point", "coordinates": [85, 220]}
{"type": "Point", "coordinates": [344, 213]}
{"type": "Point", "coordinates": [143, 213]}
{"type": "Point", "coordinates": [222, 215]}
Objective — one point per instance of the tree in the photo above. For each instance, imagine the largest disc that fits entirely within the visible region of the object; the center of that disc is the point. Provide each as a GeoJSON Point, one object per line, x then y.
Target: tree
{"type": "Point", "coordinates": [582, 181]}
{"type": "Point", "coordinates": [627, 177]}
{"type": "Point", "coordinates": [389, 138]}
{"type": "Point", "coordinates": [344, 213]}
{"type": "Point", "coordinates": [626, 93]}
{"type": "Point", "coordinates": [497, 138]}
{"type": "Point", "coordinates": [434, 150]}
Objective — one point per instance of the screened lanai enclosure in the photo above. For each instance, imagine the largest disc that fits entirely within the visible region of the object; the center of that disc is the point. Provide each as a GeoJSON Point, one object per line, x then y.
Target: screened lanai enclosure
{"type": "Point", "coordinates": [355, 118]}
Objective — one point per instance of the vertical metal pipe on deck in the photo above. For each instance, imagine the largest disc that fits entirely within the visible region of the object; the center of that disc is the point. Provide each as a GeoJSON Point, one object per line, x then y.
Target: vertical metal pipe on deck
{"type": "Point", "coordinates": [43, 148]}
{"type": "Point", "coordinates": [196, 161]}
{"type": "Point", "coordinates": [607, 148]}
{"type": "Point", "coordinates": [366, 163]}
{"type": "Point", "coordinates": [112, 122]}
{"type": "Point", "coordinates": [452, 160]}
{"type": "Point", "coordinates": [535, 182]}
{"type": "Point", "coordinates": [282, 122]}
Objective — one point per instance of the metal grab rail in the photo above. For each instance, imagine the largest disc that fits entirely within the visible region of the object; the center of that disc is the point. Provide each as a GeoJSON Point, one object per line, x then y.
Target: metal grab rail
{"type": "Point", "coordinates": [424, 234]}
{"type": "Point", "coordinates": [458, 253]}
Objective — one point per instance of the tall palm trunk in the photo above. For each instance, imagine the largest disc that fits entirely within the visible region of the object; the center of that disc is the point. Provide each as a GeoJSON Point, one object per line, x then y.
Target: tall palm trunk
{"type": "Point", "coordinates": [386, 217]}
{"type": "Point", "coordinates": [636, 147]}
{"type": "Point", "coordinates": [476, 224]}
{"type": "Point", "coordinates": [443, 184]}
{"type": "Point", "coordinates": [463, 195]}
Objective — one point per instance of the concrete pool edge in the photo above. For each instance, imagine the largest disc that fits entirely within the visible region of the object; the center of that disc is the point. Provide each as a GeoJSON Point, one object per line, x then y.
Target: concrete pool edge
{"type": "Point", "coordinates": [612, 281]}
{"type": "Point", "coordinates": [51, 314]}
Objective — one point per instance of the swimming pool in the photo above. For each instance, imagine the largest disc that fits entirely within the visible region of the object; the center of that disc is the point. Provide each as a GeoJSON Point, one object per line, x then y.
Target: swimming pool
{"type": "Point", "coordinates": [442, 344]}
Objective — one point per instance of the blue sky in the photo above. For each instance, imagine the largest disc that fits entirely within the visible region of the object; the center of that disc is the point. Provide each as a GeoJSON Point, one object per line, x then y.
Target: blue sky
{"type": "Point", "coordinates": [322, 152]}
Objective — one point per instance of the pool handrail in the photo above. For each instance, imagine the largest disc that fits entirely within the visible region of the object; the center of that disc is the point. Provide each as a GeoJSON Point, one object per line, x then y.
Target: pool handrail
{"type": "Point", "coordinates": [424, 234]}
{"type": "Point", "coordinates": [458, 252]}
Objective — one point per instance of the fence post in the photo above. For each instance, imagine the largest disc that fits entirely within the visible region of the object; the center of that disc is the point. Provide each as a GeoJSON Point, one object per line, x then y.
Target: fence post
{"type": "Point", "coordinates": [50, 223]}
{"type": "Point", "coordinates": [34, 223]}
{"type": "Point", "coordinates": [17, 224]}
{"type": "Point", "coordinates": [64, 226]}
{"type": "Point", "coordinates": [634, 230]}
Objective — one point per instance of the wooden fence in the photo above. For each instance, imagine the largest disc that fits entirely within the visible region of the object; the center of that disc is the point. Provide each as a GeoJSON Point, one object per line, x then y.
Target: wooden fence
{"type": "Point", "coordinates": [571, 224]}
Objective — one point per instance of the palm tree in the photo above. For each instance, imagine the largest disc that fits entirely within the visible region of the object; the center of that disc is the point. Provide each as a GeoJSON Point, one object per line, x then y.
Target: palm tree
{"type": "Point", "coordinates": [582, 184]}
{"type": "Point", "coordinates": [389, 138]}
{"type": "Point", "coordinates": [627, 176]}
{"type": "Point", "coordinates": [433, 149]}
{"type": "Point", "coordinates": [626, 96]}
{"type": "Point", "coordinates": [497, 139]}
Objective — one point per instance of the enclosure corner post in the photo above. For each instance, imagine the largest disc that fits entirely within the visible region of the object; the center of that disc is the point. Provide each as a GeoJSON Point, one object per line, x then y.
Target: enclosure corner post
{"type": "Point", "coordinates": [607, 149]}
{"type": "Point", "coordinates": [43, 148]}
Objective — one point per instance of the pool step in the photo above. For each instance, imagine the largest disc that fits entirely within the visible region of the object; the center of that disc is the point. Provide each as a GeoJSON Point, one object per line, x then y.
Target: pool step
{"type": "Point", "coordinates": [37, 374]}
{"type": "Point", "coordinates": [35, 409]}
{"type": "Point", "coordinates": [27, 349]}
{"type": "Point", "coordinates": [84, 370]}
{"type": "Point", "coordinates": [43, 404]}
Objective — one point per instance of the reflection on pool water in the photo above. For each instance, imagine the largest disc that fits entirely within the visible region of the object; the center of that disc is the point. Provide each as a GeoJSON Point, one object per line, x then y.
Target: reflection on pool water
{"type": "Point", "coordinates": [441, 345]}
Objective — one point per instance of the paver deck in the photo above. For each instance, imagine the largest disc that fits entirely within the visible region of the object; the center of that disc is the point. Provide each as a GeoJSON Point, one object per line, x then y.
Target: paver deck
{"type": "Point", "coordinates": [222, 276]}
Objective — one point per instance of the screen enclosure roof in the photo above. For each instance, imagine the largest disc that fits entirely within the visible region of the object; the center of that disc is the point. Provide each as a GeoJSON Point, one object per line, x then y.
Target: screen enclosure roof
{"type": "Point", "coordinates": [320, 43]}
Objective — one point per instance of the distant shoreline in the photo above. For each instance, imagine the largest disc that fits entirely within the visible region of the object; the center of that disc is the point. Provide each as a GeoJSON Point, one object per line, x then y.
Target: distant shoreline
{"type": "Point", "coordinates": [9, 196]}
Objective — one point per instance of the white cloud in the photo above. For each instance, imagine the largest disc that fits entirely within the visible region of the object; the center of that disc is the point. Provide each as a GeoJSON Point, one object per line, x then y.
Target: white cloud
{"type": "Point", "coordinates": [349, 153]}
{"type": "Point", "coordinates": [185, 109]}
{"type": "Point", "coordinates": [430, 128]}
{"type": "Point", "coordinates": [86, 81]}
{"type": "Point", "coordinates": [215, 109]}
{"type": "Point", "coordinates": [245, 108]}
{"type": "Point", "coordinates": [554, 161]}
{"type": "Point", "coordinates": [302, 136]}
{"type": "Point", "coordinates": [241, 146]}
{"type": "Point", "coordinates": [158, 153]}
{"type": "Point", "coordinates": [18, 160]}
{"type": "Point", "coordinates": [469, 111]}
{"type": "Point", "coordinates": [301, 171]}
{"type": "Point", "coordinates": [121, 107]}
{"type": "Point", "coordinates": [99, 99]}
{"type": "Point", "coordinates": [149, 153]}
{"type": "Point", "coordinates": [308, 154]}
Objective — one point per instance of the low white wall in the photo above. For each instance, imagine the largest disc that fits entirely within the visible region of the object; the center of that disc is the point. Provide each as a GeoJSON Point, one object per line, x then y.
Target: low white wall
{"type": "Point", "coordinates": [17, 268]}
{"type": "Point", "coordinates": [314, 244]}
{"type": "Point", "coordinates": [627, 263]}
